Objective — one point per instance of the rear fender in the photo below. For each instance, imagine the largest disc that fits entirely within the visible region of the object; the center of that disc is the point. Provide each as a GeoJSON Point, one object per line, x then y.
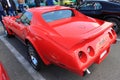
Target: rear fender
{"type": "Point", "coordinates": [33, 42]}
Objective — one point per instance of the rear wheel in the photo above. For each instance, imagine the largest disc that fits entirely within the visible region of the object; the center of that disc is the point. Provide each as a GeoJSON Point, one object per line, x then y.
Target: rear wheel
{"type": "Point", "coordinates": [34, 58]}
{"type": "Point", "coordinates": [116, 22]}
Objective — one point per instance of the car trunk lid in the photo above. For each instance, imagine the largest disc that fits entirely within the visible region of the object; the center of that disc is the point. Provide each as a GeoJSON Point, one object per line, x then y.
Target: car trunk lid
{"type": "Point", "coordinates": [74, 31]}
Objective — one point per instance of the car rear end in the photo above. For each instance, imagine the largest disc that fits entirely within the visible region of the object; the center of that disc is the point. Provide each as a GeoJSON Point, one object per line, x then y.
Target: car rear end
{"type": "Point", "coordinates": [95, 48]}
{"type": "Point", "coordinates": [88, 39]}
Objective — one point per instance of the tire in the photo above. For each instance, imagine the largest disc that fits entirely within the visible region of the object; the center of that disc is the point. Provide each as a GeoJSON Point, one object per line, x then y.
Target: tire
{"type": "Point", "coordinates": [116, 22]}
{"type": "Point", "coordinates": [34, 58]}
{"type": "Point", "coordinates": [6, 31]}
{"type": "Point", "coordinates": [7, 34]}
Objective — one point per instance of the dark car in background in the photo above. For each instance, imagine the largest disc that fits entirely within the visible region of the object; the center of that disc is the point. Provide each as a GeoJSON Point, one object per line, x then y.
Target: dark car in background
{"type": "Point", "coordinates": [103, 9]}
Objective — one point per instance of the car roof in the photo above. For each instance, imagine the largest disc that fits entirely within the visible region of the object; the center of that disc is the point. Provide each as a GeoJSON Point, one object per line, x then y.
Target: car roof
{"type": "Point", "coordinates": [45, 9]}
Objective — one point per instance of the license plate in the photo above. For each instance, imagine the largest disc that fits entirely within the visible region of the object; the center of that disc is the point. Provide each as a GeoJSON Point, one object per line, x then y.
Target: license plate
{"type": "Point", "coordinates": [101, 56]}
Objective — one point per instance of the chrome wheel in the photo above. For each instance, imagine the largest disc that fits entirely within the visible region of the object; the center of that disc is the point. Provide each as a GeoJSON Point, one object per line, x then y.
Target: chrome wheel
{"type": "Point", "coordinates": [5, 31]}
{"type": "Point", "coordinates": [34, 58]}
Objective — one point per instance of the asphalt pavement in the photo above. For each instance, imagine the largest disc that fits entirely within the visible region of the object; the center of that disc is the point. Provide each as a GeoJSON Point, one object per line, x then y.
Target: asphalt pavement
{"type": "Point", "coordinates": [14, 58]}
{"type": "Point", "coordinates": [13, 67]}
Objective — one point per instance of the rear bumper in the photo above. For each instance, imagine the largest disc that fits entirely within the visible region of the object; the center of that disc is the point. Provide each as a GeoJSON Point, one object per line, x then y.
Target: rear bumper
{"type": "Point", "coordinates": [97, 59]}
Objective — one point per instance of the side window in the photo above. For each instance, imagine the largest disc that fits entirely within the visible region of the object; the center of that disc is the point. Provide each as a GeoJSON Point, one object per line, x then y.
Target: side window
{"type": "Point", "coordinates": [87, 6]}
{"type": "Point", "coordinates": [91, 6]}
{"type": "Point", "coordinates": [97, 6]}
{"type": "Point", "coordinates": [26, 18]}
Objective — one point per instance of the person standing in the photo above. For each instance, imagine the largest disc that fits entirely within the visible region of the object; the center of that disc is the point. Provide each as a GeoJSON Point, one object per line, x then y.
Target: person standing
{"type": "Point", "coordinates": [2, 13]}
{"type": "Point", "coordinates": [37, 3]}
{"type": "Point", "coordinates": [78, 2]}
{"type": "Point", "coordinates": [10, 7]}
{"type": "Point", "coordinates": [22, 6]}
{"type": "Point", "coordinates": [50, 2]}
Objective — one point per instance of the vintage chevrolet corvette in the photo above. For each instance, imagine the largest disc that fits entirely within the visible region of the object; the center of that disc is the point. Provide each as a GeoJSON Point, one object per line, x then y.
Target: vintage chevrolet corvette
{"type": "Point", "coordinates": [62, 36]}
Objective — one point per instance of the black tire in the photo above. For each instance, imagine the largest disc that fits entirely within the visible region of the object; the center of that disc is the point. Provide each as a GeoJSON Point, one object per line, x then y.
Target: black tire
{"type": "Point", "coordinates": [7, 34]}
{"type": "Point", "coordinates": [6, 31]}
{"type": "Point", "coordinates": [34, 58]}
{"type": "Point", "coordinates": [116, 22]}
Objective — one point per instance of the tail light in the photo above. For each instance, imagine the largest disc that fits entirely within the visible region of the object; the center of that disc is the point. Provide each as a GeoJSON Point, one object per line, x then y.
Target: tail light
{"type": "Point", "coordinates": [113, 32]}
{"type": "Point", "coordinates": [110, 35]}
{"type": "Point", "coordinates": [82, 56]}
{"type": "Point", "coordinates": [90, 51]}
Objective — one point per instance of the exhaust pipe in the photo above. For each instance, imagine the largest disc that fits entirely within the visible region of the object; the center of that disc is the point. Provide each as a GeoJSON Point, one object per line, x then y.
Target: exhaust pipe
{"type": "Point", "coordinates": [86, 72]}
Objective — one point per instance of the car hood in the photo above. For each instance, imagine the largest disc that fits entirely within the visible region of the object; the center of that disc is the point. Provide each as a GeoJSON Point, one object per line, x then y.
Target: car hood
{"type": "Point", "coordinates": [73, 32]}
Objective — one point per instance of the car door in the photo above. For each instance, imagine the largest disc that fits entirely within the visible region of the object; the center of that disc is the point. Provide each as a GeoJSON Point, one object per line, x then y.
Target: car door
{"type": "Point", "coordinates": [92, 9]}
{"type": "Point", "coordinates": [22, 24]}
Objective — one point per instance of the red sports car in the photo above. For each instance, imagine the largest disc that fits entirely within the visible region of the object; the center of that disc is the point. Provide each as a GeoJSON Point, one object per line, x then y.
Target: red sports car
{"type": "Point", "coordinates": [62, 36]}
{"type": "Point", "coordinates": [3, 75]}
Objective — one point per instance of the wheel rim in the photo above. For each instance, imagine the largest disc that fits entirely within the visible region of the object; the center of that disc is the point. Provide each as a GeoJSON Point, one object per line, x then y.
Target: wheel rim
{"type": "Point", "coordinates": [6, 33]}
{"type": "Point", "coordinates": [32, 56]}
{"type": "Point", "coordinates": [34, 60]}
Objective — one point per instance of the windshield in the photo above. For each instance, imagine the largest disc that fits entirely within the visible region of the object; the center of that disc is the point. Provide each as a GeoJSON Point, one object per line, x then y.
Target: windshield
{"type": "Point", "coordinates": [57, 15]}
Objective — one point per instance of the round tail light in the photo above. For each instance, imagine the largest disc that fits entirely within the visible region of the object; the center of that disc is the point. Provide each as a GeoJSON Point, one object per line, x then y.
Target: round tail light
{"type": "Point", "coordinates": [110, 35]}
{"type": "Point", "coordinates": [90, 51]}
{"type": "Point", "coordinates": [82, 56]}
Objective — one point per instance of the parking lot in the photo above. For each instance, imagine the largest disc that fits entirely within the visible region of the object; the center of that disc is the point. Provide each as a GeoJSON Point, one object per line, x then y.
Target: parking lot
{"type": "Point", "coordinates": [13, 55]}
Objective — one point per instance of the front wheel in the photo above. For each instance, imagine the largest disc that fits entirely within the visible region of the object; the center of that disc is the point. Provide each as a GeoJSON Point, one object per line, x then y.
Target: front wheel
{"type": "Point", "coordinates": [34, 58]}
{"type": "Point", "coordinates": [7, 33]}
{"type": "Point", "coordinates": [116, 23]}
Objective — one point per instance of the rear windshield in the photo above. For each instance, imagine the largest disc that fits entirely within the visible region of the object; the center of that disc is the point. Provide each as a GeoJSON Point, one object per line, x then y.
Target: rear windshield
{"type": "Point", "coordinates": [57, 15]}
